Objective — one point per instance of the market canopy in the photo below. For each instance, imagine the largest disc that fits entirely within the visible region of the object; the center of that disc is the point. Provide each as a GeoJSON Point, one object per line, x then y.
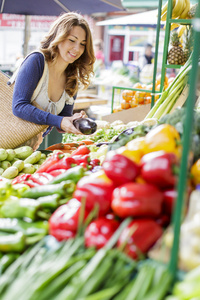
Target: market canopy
{"type": "Point", "coordinates": [145, 18]}
{"type": "Point", "coordinates": [149, 4]}
{"type": "Point", "coordinates": [56, 7]}
{"type": "Point", "coordinates": [131, 4]}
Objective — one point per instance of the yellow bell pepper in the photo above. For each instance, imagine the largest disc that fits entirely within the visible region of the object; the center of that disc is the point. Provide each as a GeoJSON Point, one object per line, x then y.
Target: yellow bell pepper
{"type": "Point", "coordinates": [133, 155]}
{"type": "Point", "coordinates": [163, 137]}
{"type": "Point", "coordinates": [195, 172]}
{"type": "Point", "coordinates": [101, 176]}
{"type": "Point", "coordinates": [133, 149]}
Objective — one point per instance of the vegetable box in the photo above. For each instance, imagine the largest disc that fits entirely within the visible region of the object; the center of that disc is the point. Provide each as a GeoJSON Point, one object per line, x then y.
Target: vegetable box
{"type": "Point", "coordinates": [132, 114]}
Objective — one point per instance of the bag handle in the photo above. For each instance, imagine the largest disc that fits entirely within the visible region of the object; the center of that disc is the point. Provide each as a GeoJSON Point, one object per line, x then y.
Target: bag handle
{"type": "Point", "coordinates": [38, 87]}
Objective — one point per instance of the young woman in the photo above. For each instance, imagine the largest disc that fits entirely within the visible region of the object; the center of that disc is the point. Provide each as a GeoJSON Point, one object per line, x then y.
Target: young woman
{"type": "Point", "coordinates": [67, 52]}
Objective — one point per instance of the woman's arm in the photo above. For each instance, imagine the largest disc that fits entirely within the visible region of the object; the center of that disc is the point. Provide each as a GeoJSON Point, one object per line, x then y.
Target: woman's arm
{"type": "Point", "coordinates": [27, 79]}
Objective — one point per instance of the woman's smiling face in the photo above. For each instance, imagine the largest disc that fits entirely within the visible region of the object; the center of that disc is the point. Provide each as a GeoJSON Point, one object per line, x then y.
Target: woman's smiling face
{"type": "Point", "coordinates": [74, 45]}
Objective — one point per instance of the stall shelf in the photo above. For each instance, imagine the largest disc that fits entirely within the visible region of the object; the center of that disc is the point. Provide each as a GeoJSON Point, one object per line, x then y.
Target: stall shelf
{"type": "Point", "coordinates": [116, 89]}
{"type": "Point", "coordinates": [169, 21]}
{"type": "Point", "coordinates": [188, 123]}
{"type": "Point", "coordinates": [153, 91]}
{"type": "Point", "coordinates": [188, 126]}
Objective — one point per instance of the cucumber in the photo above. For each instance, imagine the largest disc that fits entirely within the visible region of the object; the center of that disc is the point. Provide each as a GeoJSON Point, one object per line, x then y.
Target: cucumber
{"type": "Point", "coordinates": [11, 154]}
{"type": "Point", "coordinates": [43, 156]}
{"type": "Point", "coordinates": [36, 166]}
{"type": "Point", "coordinates": [23, 152]}
{"type": "Point", "coordinates": [19, 164]}
{"type": "Point", "coordinates": [14, 160]}
{"type": "Point", "coordinates": [33, 158]}
{"type": "Point", "coordinates": [3, 154]}
{"type": "Point", "coordinates": [28, 169]}
{"type": "Point", "coordinates": [40, 162]}
{"type": "Point", "coordinates": [10, 172]}
{"type": "Point", "coordinates": [5, 164]}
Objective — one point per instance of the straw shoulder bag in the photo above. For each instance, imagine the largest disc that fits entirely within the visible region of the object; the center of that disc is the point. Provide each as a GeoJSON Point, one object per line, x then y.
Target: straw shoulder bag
{"type": "Point", "coordinates": [13, 130]}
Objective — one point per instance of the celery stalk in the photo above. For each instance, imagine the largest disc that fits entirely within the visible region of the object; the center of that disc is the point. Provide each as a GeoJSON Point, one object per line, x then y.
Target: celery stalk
{"type": "Point", "coordinates": [157, 105]}
{"type": "Point", "coordinates": [168, 101]}
{"type": "Point", "coordinates": [161, 105]}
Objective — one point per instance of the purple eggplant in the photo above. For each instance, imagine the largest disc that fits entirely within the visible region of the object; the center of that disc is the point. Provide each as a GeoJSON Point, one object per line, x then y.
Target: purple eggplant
{"type": "Point", "coordinates": [85, 125]}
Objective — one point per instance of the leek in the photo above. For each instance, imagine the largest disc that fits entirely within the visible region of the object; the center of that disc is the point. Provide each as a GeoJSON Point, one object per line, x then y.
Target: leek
{"type": "Point", "coordinates": [169, 97]}
{"type": "Point", "coordinates": [170, 100]}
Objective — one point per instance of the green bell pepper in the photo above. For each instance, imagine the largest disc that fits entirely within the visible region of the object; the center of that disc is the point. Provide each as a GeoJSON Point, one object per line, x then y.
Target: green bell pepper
{"type": "Point", "coordinates": [20, 208]}
{"type": "Point", "coordinates": [63, 189]}
{"type": "Point", "coordinates": [74, 174]}
{"type": "Point", "coordinates": [29, 229]}
{"type": "Point", "coordinates": [15, 242]}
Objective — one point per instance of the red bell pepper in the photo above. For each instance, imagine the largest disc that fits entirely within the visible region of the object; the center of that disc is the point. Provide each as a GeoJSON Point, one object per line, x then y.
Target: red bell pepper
{"type": "Point", "coordinates": [94, 192]}
{"type": "Point", "coordinates": [137, 200]}
{"type": "Point", "coordinates": [33, 180]}
{"type": "Point", "coordinates": [63, 223]}
{"type": "Point", "coordinates": [120, 169]}
{"type": "Point", "coordinates": [41, 178]}
{"type": "Point", "coordinates": [62, 235]}
{"type": "Point", "coordinates": [160, 168]}
{"type": "Point", "coordinates": [21, 178]}
{"type": "Point", "coordinates": [31, 184]}
{"type": "Point", "coordinates": [81, 159]}
{"type": "Point", "coordinates": [85, 166]}
{"type": "Point", "coordinates": [64, 163]}
{"type": "Point", "coordinates": [50, 161]}
{"type": "Point", "coordinates": [81, 150]}
{"type": "Point", "coordinates": [169, 201]}
{"type": "Point", "coordinates": [99, 232]}
{"type": "Point", "coordinates": [139, 236]}
{"type": "Point", "coordinates": [94, 162]}
{"type": "Point", "coordinates": [57, 172]}
{"type": "Point", "coordinates": [163, 220]}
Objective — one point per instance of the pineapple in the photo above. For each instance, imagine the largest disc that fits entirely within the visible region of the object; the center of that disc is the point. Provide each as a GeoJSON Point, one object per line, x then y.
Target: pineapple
{"type": "Point", "coordinates": [175, 54]}
{"type": "Point", "coordinates": [192, 11]}
{"type": "Point", "coordinates": [187, 42]}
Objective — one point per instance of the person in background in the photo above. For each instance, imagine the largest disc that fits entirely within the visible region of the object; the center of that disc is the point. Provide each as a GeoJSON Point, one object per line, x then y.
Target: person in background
{"type": "Point", "coordinates": [98, 49]}
{"type": "Point", "coordinates": [147, 57]}
{"type": "Point", "coordinates": [68, 51]}
{"type": "Point", "coordinates": [146, 65]}
{"type": "Point", "coordinates": [100, 58]}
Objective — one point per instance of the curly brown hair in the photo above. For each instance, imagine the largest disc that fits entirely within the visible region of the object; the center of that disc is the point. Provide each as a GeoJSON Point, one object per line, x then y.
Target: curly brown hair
{"type": "Point", "coordinates": [81, 70]}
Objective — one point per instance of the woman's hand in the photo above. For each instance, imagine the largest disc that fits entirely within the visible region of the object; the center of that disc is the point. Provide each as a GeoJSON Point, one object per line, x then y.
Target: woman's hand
{"type": "Point", "coordinates": [67, 123]}
{"type": "Point", "coordinates": [80, 115]}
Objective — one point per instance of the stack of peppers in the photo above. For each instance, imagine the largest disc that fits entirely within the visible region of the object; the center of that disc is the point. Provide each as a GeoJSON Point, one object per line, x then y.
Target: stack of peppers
{"type": "Point", "coordinates": [59, 162]}
{"type": "Point", "coordinates": [137, 181]}
{"type": "Point", "coordinates": [25, 210]}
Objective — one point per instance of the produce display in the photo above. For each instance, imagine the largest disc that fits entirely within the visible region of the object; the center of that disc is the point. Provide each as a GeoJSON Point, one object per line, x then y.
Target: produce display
{"type": "Point", "coordinates": [20, 160]}
{"type": "Point", "coordinates": [113, 209]}
{"type": "Point", "coordinates": [140, 94]}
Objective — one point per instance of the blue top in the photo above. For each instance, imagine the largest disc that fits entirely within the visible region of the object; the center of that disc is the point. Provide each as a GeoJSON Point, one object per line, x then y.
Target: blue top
{"type": "Point", "coordinates": [26, 82]}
